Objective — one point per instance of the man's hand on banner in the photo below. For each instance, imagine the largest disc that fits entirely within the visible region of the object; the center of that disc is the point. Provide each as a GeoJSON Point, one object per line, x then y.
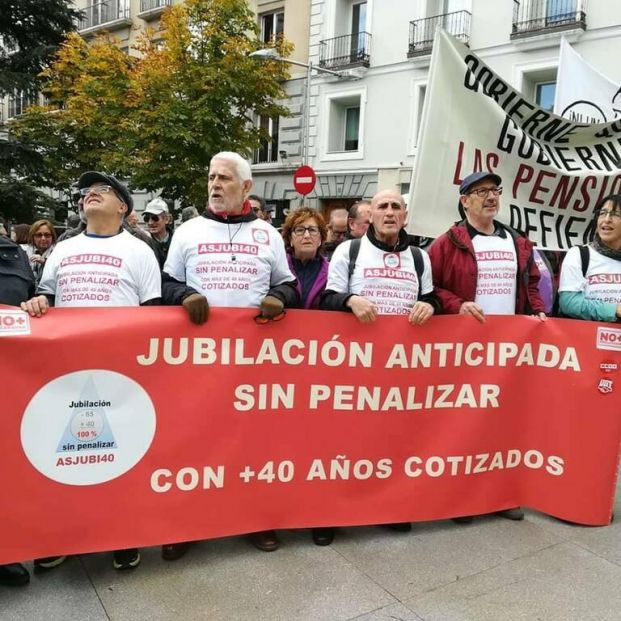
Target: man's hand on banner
{"type": "Point", "coordinates": [37, 306]}
{"type": "Point", "coordinates": [471, 308]}
{"type": "Point", "coordinates": [420, 313]}
{"type": "Point", "coordinates": [542, 316]}
{"type": "Point", "coordinates": [197, 308]}
{"type": "Point", "coordinates": [365, 311]}
{"type": "Point", "coordinates": [271, 307]}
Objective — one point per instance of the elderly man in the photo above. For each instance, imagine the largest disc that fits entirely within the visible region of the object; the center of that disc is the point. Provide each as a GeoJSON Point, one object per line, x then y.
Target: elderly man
{"type": "Point", "coordinates": [483, 267]}
{"type": "Point", "coordinates": [359, 219]}
{"type": "Point", "coordinates": [157, 218]}
{"type": "Point", "coordinates": [337, 231]}
{"type": "Point", "coordinates": [76, 276]}
{"type": "Point", "coordinates": [381, 274]}
{"type": "Point", "coordinates": [260, 208]}
{"type": "Point", "coordinates": [228, 257]}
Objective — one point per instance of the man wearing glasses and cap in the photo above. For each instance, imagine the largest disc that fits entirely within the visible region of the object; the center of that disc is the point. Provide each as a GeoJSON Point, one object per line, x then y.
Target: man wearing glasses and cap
{"type": "Point", "coordinates": [104, 266]}
{"type": "Point", "coordinates": [157, 218]}
{"type": "Point", "coordinates": [484, 267]}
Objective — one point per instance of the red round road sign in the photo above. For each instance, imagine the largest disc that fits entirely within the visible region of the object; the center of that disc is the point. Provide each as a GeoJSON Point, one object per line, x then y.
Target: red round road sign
{"type": "Point", "coordinates": [304, 179]}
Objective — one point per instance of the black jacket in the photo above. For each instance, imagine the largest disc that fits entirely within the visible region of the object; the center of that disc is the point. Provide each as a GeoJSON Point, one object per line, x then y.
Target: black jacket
{"type": "Point", "coordinates": [17, 282]}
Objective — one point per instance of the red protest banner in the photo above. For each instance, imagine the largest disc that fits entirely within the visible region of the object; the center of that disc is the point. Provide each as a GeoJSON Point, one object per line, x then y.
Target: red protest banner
{"type": "Point", "coordinates": [132, 427]}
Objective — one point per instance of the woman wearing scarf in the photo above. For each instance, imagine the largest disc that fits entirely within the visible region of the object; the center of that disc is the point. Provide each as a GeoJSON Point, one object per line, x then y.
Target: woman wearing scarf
{"type": "Point", "coordinates": [590, 286]}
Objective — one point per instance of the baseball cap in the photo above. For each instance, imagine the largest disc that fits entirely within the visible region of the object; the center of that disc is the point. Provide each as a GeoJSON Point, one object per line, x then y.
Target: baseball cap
{"type": "Point", "coordinates": [156, 207]}
{"type": "Point", "coordinates": [470, 180]}
{"type": "Point", "coordinates": [92, 176]}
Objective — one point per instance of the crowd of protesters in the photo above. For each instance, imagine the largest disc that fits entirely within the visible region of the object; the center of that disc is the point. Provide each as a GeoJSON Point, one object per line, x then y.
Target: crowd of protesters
{"type": "Point", "coordinates": [360, 261]}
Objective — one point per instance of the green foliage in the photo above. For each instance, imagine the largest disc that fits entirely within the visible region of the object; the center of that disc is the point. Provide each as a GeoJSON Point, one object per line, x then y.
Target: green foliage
{"type": "Point", "coordinates": [159, 116]}
{"type": "Point", "coordinates": [31, 31]}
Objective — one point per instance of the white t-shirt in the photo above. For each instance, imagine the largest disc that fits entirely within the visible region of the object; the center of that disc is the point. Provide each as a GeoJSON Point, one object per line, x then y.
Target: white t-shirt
{"type": "Point", "coordinates": [496, 274]}
{"type": "Point", "coordinates": [602, 280]}
{"type": "Point", "coordinates": [232, 265]}
{"type": "Point", "coordinates": [101, 271]}
{"type": "Point", "coordinates": [388, 279]}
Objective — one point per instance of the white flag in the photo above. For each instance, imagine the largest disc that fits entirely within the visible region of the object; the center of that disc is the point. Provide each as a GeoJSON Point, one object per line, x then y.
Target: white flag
{"type": "Point", "coordinates": [584, 95]}
{"type": "Point", "coordinates": [554, 171]}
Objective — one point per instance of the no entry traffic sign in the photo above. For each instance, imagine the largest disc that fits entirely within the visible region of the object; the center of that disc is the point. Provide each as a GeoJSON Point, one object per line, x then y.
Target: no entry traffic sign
{"type": "Point", "coordinates": [304, 179]}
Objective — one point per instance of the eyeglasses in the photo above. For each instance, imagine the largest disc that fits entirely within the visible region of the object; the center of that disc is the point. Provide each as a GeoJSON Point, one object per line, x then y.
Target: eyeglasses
{"type": "Point", "coordinates": [263, 320]}
{"type": "Point", "coordinates": [98, 189]}
{"type": "Point", "coordinates": [150, 216]}
{"type": "Point", "coordinates": [485, 192]}
{"type": "Point", "coordinates": [299, 231]}
{"type": "Point", "coordinates": [43, 235]}
{"type": "Point", "coordinates": [603, 213]}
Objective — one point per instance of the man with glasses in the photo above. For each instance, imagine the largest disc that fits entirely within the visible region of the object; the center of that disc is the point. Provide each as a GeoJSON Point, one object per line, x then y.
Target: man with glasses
{"type": "Point", "coordinates": [102, 267]}
{"type": "Point", "coordinates": [484, 267]}
{"type": "Point", "coordinates": [228, 257]}
{"type": "Point", "coordinates": [157, 218]}
{"type": "Point", "coordinates": [337, 231]}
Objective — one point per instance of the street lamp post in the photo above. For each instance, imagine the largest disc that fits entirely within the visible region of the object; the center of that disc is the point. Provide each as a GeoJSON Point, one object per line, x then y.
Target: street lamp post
{"type": "Point", "coordinates": [272, 54]}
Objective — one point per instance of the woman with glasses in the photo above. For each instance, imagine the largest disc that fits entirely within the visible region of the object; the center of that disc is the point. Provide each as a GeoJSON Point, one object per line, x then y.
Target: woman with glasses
{"type": "Point", "coordinates": [41, 241]}
{"type": "Point", "coordinates": [590, 286]}
{"type": "Point", "coordinates": [304, 232]}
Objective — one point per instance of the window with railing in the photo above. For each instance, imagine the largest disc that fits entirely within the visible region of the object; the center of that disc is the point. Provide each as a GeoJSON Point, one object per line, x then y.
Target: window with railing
{"type": "Point", "coordinates": [536, 16]}
{"type": "Point", "coordinates": [422, 31]}
{"type": "Point", "coordinates": [104, 13]}
{"type": "Point", "coordinates": [348, 50]}
{"type": "Point", "coordinates": [268, 151]}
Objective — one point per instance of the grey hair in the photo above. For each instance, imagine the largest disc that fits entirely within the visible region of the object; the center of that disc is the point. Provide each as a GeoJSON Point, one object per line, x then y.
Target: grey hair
{"type": "Point", "coordinates": [241, 165]}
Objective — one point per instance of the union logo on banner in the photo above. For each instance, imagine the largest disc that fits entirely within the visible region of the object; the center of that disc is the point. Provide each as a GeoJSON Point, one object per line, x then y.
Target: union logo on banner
{"type": "Point", "coordinates": [605, 386]}
{"type": "Point", "coordinates": [13, 322]}
{"type": "Point", "coordinates": [608, 338]}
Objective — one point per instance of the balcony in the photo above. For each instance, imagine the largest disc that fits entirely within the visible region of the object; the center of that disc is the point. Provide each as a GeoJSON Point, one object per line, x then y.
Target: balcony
{"type": "Point", "coordinates": [422, 31]}
{"type": "Point", "coordinates": [534, 17]}
{"type": "Point", "coordinates": [152, 9]}
{"type": "Point", "coordinates": [346, 51]}
{"type": "Point", "coordinates": [110, 15]}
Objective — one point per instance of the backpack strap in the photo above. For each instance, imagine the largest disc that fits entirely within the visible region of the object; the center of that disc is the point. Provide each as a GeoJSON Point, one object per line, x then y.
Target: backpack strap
{"type": "Point", "coordinates": [585, 257]}
{"type": "Point", "coordinates": [354, 249]}
{"type": "Point", "coordinates": [419, 266]}
{"type": "Point", "coordinates": [417, 255]}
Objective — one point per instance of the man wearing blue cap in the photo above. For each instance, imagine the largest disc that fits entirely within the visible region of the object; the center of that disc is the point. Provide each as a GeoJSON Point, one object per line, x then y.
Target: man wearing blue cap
{"type": "Point", "coordinates": [483, 267]}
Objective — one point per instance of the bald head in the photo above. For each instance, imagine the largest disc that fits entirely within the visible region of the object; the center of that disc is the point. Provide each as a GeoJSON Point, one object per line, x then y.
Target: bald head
{"type": "Point", "coordinates": [337, 226]}
{"type": "Point", "coordinates": [388, 215]}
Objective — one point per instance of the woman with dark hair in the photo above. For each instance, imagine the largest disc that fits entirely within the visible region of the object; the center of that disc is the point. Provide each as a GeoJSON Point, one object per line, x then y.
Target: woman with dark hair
{"type": "Point", "coordinates": [304, 232]}
{"type": "Point", "coordinates": [590, 285]}
{"type": "Point", "coordinates": [41, 240]}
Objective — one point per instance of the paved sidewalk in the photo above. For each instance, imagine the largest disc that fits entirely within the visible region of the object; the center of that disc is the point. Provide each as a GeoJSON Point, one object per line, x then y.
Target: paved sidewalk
{"type": "Point", "coordinates": [490, 570]}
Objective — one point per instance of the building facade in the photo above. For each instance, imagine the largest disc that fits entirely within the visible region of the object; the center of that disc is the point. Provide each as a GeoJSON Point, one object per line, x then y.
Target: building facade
{"type": "Point", "coordinates": [364, 126]}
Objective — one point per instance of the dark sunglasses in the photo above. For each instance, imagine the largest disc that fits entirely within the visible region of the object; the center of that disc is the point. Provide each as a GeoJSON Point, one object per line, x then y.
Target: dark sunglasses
{"type": "Point", "coordinates": [150, 216]}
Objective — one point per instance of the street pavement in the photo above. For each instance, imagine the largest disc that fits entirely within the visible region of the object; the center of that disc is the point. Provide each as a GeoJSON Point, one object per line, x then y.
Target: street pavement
{"type": "Point", "coordinates": [490, 570]}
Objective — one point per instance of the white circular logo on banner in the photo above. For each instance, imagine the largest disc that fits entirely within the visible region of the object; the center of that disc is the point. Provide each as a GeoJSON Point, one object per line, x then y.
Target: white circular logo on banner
{"type": "Point", "coordinates": [88, 427]}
